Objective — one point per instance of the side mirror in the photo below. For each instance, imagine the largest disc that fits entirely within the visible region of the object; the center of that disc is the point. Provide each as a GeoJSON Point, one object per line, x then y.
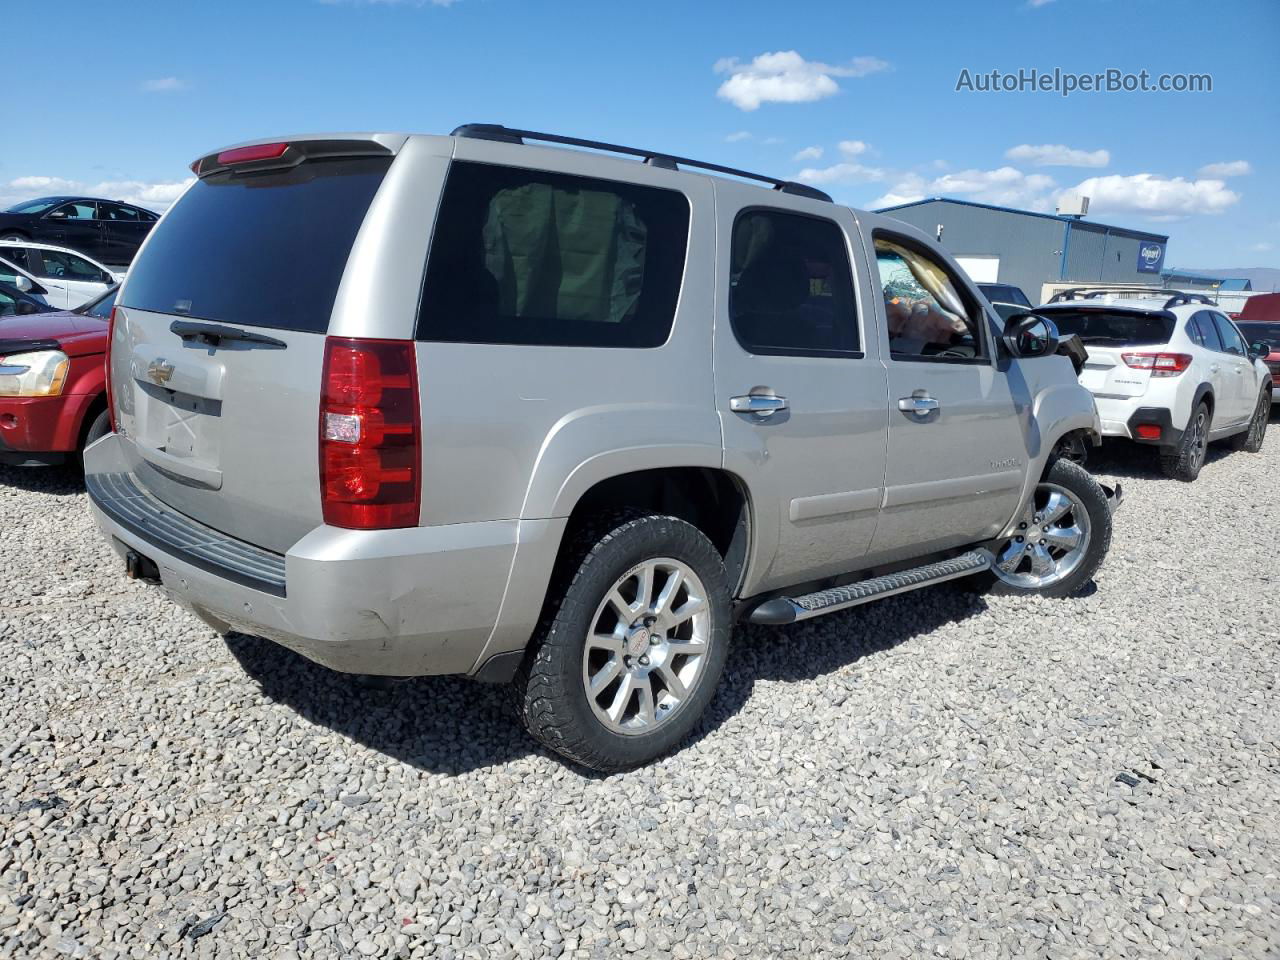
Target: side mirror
{"type": "Point", "coordinates": [56, 215]}
{"type": "Point", "coordinates": [23, 284]}
{"type": "Point", "coordinates": [1258, 350]}
{"type": "Point", "coordinates": [25, 308]}
{"type": "Point", "coordinates": [1029, 335]}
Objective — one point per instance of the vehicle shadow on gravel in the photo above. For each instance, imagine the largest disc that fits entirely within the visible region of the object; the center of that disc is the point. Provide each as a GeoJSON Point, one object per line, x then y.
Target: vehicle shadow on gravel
{"type": "Point", "coordinates": [60, 481]}
{"type": "Point", "coordinates": [451, 725]}
{"type": "Point", "coordinates": [447, 725]}
{"type": "Point", "coordinates": [1119, 458]}
{"type": "Point", "coordinates": [829, 644]}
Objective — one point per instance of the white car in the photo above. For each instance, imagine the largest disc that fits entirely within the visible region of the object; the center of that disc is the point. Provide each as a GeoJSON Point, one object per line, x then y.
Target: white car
{"type": "Point", "coordinates": [1171, 371]}
{"type": "Point", "coordinates": [69, 278]}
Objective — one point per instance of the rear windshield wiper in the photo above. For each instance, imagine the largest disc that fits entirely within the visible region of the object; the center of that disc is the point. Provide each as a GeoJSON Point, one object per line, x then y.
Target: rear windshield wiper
{"type": "Point", "coordinates": [213, 334]}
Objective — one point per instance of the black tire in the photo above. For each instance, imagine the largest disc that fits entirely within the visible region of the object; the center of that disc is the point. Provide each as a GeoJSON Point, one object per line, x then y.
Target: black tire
{"type": "Point", "coordinates": [548, 690]}
{"type": "Point", "coordinates": [99, 428]}
{"type": "Point", "coordinates": [1079, 482]}
{"type": "Point", "coordinates": [1184, 461]}
{"type": "Point", "coordinates": [1250, 440]}
{"type": "Point", "coordinates": [10, 235]}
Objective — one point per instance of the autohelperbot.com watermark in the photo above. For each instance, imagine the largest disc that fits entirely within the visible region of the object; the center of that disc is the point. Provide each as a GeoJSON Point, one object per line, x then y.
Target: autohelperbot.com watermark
{"type": "Point", "coordinates": [1066, 82]}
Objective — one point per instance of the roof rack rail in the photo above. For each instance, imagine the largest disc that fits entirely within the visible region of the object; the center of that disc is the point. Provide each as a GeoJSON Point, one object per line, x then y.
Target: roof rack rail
{"type": "Point", "coordinates": [501, 134]}
{"type": "Point", "coordinates": [1181, 299]}
{"type": "Point", "coordinates": [1092, 293]}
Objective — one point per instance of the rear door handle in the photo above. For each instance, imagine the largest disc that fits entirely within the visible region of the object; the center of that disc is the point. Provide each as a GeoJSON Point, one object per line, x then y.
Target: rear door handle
{"type": "Point", "coordinates": [760, 404]}
{"type": "Point", "coordinates": [918, 406]}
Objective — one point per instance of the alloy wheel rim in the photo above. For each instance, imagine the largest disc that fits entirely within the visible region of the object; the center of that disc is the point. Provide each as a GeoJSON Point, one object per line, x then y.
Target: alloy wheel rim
{"type": "Point", "coordinates": [1049, 543]}
{"type": "Point", "coordinates": [1258, 428]}
{"type": "Point", "coordinates": [1197, 439]}
{"type": "Point", "coordinates": [646, 648]}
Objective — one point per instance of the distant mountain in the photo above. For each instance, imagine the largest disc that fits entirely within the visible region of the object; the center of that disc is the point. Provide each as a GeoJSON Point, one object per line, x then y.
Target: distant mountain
{"type": "Point", "coordinates": [1264, 278]}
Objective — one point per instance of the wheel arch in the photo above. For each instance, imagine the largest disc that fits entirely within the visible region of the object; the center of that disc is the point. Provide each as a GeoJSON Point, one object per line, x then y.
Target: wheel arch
{"type": "Point", "coordinates": [713, 499]}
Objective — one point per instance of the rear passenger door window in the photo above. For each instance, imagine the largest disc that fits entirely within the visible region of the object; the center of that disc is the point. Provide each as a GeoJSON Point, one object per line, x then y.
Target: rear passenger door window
{"type": "Point", "coordinates": [1202, 332]}
{"type": "Point", "coordinates": [791, 288]}
{"type": "Point", "coordinates": [928, 316]}
{"type": "Point", "coordinates": [1232, 342]}
{"type": "Point", "coordinates": [533, 257]}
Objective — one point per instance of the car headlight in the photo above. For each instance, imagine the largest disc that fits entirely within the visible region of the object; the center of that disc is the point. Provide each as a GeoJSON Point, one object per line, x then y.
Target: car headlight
{"type": "Point", "coordinates": [41, 373]}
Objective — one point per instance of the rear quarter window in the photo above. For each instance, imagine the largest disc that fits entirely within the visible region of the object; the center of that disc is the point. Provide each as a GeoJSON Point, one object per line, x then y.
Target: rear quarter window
{"type": "Point", "coordinates": [531, 257]}
{"type": "Point", "coordinates": [263, 250]}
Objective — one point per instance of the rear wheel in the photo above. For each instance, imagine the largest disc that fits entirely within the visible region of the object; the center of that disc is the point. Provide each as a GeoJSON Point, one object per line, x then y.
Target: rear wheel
{"type": "Point", "coordinates": [1060, 540]}
{"type": "Point", "coordinates": [630, 651]}
{"type": "Point", "coordinates": [1251, 440]}
{"type": "Point", "coordinates": [1184, 461]}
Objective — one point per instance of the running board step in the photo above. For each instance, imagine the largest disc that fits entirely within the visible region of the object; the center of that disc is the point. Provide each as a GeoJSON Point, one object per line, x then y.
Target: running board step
{"type": "Point", "coordinates": [783, 610]}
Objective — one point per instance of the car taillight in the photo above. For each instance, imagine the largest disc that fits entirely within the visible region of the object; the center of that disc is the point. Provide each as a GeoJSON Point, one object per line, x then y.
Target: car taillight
{"type": "Point", "coordinates": [1160, 364]}
{"type": "Point", "coordinates": [370, 449]}
{"type": "Point", "coordinates": [111, 337]}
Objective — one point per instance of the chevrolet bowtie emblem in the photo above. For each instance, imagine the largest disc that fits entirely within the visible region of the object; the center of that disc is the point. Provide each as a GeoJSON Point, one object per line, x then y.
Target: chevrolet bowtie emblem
{"type": "Point", "coordinates": [160, 371]}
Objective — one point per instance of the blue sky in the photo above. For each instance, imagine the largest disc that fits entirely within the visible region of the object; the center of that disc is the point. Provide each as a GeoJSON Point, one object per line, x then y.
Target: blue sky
{"type": "Point", "coordinates": [149, 86]}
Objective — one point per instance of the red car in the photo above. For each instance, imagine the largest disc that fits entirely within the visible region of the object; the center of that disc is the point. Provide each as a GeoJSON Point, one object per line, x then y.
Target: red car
{"type": "Point", "coordinates": [53, 399]}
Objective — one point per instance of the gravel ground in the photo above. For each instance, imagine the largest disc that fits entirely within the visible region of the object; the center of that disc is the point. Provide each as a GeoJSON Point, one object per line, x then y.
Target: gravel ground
{"type": "Point", "coordinates": [941, 774]}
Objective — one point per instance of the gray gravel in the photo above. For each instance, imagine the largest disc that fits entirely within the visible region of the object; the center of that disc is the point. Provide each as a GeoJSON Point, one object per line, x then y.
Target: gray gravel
{"type": "Point", "coordinates": [941, 774]}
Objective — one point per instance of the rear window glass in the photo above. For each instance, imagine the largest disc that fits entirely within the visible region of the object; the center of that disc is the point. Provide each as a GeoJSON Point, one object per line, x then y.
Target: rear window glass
{"type": "Point", "coordinates": [264, 250]}
{"type": "Point", "coordinates": [530, 257]}
{"type": "Point", "coordinates": [1114, 329]}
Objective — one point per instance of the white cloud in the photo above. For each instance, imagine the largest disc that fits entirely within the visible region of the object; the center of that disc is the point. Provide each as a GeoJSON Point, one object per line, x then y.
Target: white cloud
{"type": "Point", "coordinates": [164, 85]}
{"type": "Point", "coordinates": [1057, 155]}
{"type": "Point", "coordinates": [808, 153]}
{"type": "Point", "coordinates": [1004, 186]}
{"type": "Point", "coordinates": [1156, 196]}
{"type": "Point", "coordinates": [154, 195]}
{"type": "Point", "coordinates": [1231, 168]}
{"type": "Point", "coordinates": [737, 136]}
{"type": "Point", "coordinates": [840, 173]}
{"type": "Point", "coordinates": [1263, 247]}
{"type": "Point", "coordinates": [787, 77]}
{"type": "Point", "coordinates": [852, 148]}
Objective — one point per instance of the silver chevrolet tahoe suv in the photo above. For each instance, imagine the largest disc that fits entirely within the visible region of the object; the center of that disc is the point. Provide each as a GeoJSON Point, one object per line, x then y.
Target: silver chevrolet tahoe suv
{"type": "Point", "coordinates": [559, 417]}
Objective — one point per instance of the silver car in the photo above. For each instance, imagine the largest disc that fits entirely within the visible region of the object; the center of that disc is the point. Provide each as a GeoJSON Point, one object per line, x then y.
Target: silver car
{"type": "Point", "coordinates": [558, 417]}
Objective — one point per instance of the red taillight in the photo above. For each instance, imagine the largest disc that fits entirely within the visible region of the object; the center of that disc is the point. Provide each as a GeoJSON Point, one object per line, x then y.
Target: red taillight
{"type": "Point", "coordinates": [370, 452]}
{"type": "Point", "coordinates": [1160, 364]}
{"type": "Point", "coordinates": [259, 151]}
{"type": "Point", "coordinates": [1149, 431]}
{"type": "Point", "coordinates": [111, 338]}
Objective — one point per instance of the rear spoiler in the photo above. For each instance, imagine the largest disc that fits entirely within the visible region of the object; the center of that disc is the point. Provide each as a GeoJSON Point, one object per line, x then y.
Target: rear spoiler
{"type": "Point", "coordinates": [284, 154]}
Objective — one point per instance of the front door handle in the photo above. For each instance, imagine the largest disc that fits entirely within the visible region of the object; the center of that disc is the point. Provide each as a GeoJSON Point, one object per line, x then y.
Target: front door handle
{"type": "Point", "coordinates": [760, 404]}
{"type": "Point", "coordinates": [918, 406]}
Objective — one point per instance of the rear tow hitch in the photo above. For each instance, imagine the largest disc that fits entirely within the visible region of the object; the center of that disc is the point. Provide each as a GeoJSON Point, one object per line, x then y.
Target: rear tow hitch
{"type": "Point", "coordinates": [141, 568]}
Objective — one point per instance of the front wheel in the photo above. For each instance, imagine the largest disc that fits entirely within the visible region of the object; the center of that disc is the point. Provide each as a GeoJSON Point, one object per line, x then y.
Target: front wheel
{"type": "Point", "coordinates": [630, 651]}
{"type": "Point", "coordinates": [1059, 541]}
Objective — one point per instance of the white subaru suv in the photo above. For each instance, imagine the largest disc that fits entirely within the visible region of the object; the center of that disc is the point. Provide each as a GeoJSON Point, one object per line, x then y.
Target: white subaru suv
{"type": "Point", "coordinates": [1168, 369]}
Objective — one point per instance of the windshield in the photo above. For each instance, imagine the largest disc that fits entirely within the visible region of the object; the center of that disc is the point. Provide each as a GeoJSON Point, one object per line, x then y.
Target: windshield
{"type": "Point", "coordinates": [100, 307]}
{"type": "Point", "coordinates": [1114, 329]}
{"type": "Point", "coordinates": [1268, 333]}
{"type": "Point", "coordinates": [32, 206]}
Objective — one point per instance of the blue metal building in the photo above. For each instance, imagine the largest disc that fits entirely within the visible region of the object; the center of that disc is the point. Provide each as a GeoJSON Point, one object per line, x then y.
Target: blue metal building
{"type": "Point", "coordinates": [1038, 248]}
